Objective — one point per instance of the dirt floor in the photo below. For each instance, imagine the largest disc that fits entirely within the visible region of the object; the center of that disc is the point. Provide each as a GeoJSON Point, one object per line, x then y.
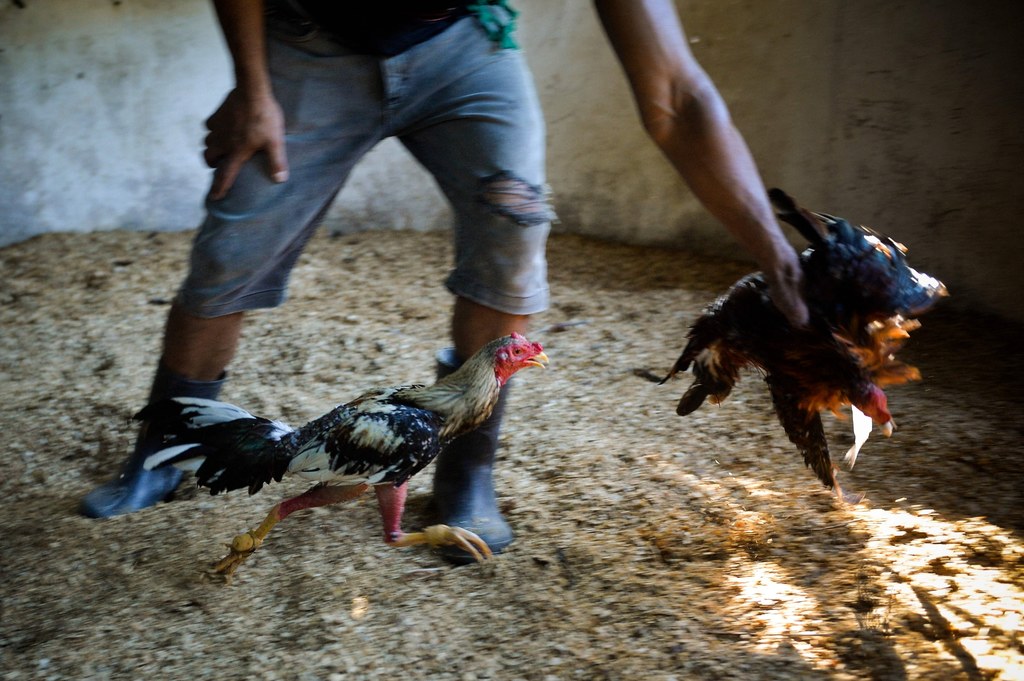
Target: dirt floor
{"type": "Point", "coordinates": [649, 546]}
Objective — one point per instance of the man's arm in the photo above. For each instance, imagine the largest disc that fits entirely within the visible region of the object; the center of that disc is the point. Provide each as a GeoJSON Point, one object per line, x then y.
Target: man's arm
{"type": "Point", "coordinates": [684, 114]}
{"type": "Point", "coordinates": [250, 120]}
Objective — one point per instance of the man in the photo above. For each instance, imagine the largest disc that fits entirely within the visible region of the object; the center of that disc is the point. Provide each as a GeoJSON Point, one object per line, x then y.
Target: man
{"type": "Point", "coordinates": [318, 86]}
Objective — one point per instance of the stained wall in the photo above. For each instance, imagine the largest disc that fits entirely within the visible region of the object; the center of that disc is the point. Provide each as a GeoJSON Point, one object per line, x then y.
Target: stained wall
{"type": "Point", "coordinates": [903, 114]}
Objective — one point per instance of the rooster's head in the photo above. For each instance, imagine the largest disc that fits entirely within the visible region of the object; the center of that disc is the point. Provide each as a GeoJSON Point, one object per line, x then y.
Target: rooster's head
{"type": "Point", "coordinates": [852, 272]}
{"type": "Point", "coordinates": [512, 353]}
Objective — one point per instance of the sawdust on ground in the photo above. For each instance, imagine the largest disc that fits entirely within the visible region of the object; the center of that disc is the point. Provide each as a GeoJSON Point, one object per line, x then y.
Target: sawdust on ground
{"type": "Point", "coordinates": [649, 546]}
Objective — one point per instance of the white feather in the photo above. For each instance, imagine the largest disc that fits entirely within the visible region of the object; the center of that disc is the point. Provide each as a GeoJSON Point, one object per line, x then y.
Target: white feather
{"type": "Point", "coordinates": [157, 458]}
{"type": "Point", "coordinates": [861, 432]}
{"type": "Point", "coordinates": [205, 412]}
{"type": "Point", "coordinates": [377, 477]}
{"type": "Point", "coordinates": [208, 412]}
{"type": "Point", "coordinates": [279, 431]}
{"type": "Point", "coordinates": [312, 463]}
{"type": "Point", "coordinates": [927, 281]}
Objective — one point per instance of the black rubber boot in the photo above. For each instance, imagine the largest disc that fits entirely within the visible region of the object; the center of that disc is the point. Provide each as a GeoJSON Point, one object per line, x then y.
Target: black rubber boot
{"type": "Point", "coordinates": [136, 488]}
{"type": "Point", "coordinates": [463, 485]}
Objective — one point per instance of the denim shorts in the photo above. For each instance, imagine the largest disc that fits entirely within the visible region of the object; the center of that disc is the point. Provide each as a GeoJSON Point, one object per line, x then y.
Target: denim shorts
{"type": "Point", "coordinates": [465, 109]}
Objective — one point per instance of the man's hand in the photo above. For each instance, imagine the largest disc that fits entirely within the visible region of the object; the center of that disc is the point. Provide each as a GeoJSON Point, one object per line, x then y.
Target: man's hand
{"type": "Point", "coordinates": [785, 286]}
{"type": "Point", "coordinates": [239, 129]}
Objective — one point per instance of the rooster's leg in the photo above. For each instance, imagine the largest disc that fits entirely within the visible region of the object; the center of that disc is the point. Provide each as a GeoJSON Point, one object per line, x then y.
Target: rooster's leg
{"type": "Point", "coordinates": [243, 545]}
{"type": "Point", "coordinates": [805, 430]}
{"type": "Point", "coordinates": [391, 500]}
{"type": "Point", "coordinates": [847, 497]}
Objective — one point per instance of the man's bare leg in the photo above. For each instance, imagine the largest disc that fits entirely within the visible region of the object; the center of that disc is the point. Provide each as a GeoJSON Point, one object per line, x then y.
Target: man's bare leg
{"type": "Point", "coordinates": [200, 348]}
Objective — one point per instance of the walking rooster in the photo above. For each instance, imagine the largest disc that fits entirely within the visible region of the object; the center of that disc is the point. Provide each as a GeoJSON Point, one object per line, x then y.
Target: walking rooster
{"type": "Point", "coordinates": [378, 440]}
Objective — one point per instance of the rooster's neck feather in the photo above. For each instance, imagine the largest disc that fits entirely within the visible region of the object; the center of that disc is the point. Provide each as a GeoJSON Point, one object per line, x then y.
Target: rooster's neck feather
{"type": "Point", "coordinates": [464, 398]}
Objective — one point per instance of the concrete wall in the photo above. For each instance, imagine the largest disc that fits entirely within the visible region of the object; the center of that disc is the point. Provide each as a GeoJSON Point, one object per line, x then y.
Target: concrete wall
{"type": "Point", "coordinates": [101, 109]}
{"type": "Point", "coordinates": [901, 114]}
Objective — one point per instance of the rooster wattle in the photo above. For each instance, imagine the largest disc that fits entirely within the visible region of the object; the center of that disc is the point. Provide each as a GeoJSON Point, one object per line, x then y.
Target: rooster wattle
{"type": "Point", "coordinates": [378, 440]}
{"type": "Point", "coordinates": [860, 293]}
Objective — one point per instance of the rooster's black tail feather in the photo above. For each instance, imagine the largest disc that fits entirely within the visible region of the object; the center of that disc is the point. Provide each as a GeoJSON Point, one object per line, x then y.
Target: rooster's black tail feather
{"type": "Point", "coordinates": [225, 446]}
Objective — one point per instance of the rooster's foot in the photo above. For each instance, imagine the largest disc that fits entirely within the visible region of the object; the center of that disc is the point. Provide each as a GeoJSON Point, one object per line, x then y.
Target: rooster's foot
{"type": "Point", "coordinates": [852, 498]}
{"type": "Point", "coordinates": [242, 546]}
{"type": "Point", "coordinates": [445, 535]}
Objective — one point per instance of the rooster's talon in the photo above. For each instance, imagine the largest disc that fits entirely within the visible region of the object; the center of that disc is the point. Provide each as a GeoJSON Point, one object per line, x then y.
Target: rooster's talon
{"type": "Point", "coordinates": [853, 498]}
{"type": "Point", "coordinates": [227, 565]}
{"type": "Point", "coordinates": [470, 543]}
{"type": "Point", "coordinates": [445, 535]}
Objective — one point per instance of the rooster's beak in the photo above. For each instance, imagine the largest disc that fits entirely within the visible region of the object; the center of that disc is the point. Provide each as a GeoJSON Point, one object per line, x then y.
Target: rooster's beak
{"type": "Point", "coordinates": [538, 360]}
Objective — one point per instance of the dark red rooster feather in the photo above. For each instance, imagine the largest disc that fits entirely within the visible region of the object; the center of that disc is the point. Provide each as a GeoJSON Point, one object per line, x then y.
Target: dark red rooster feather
{"type": "Point", "coordinates": [861, 295]}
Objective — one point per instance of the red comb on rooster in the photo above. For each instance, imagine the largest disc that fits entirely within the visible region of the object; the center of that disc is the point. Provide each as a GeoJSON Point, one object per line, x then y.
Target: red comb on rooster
{"type": "Point", "coordinates": [860, 292]}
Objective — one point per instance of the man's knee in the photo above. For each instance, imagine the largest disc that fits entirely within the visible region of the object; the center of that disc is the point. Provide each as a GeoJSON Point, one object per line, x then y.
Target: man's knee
{"type": "Point", "coordinates": [514, 198]}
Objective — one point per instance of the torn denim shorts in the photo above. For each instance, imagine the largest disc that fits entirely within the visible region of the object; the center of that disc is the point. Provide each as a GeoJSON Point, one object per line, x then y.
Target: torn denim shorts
{"type": "Point", "coordinates": [464, 108]}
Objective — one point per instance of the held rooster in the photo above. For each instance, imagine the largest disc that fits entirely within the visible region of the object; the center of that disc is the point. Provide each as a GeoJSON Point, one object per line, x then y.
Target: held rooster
{"type": "Point", "coordinates": [379, 440]}
{"type": "Point", "coordinates": [860, 292]}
